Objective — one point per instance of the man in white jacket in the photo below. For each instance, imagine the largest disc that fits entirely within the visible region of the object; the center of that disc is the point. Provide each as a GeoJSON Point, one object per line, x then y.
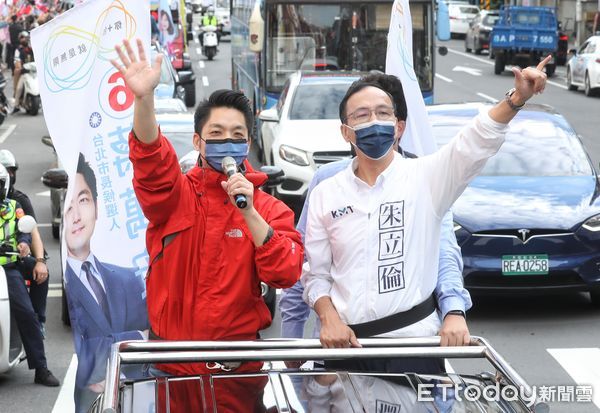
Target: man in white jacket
{"type": "Point", "coordinates": [373, 230]}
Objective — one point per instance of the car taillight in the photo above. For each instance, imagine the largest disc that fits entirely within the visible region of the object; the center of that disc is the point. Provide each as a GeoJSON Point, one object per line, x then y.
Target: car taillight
{"type": "Point", "coordinates": [453, 18]}
{"type": "Point", "coordinates": [598, 60]}
{"type": "Point", "coordinates": [565, 38]}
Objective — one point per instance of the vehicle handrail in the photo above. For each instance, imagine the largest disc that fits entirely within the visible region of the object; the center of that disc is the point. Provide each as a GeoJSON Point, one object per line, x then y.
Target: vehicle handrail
{"type": "Point", "coordinates": [140, 352]}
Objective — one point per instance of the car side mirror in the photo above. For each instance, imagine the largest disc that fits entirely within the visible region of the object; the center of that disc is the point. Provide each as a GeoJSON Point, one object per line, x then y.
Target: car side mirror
{"type": "Point", "coordinates": [573, 51]}
{"type": "Point", "coordinates": [55, 178]}
{"type": "Point", "coordinates": [269, 115]}
{"type": "Point", "coordinates": [275, 175]}
{"type": "Point", "coordinates": [47, 140]}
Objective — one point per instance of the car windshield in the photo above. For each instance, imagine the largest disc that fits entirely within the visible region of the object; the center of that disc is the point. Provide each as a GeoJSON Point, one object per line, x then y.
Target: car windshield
{"type": "Point", "coordinates": [317, 101]}
{"type": "Point", "coordinates": [490, 19]}
{"type": "Point", "coordinates": [537, 144]}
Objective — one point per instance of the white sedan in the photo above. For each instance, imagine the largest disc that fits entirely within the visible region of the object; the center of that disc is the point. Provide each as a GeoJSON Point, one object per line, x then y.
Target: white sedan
{"type": "Point", "coordinates": [583, 69]}
{"type": "Point", "coordinates": [302, 131]}
{"type": "Point", "coordinates": [460, 16]}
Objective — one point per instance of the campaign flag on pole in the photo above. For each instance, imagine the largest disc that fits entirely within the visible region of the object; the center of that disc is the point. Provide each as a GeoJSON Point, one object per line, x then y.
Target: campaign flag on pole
{"type": "Point", "coordinates": [88, 112]}
{"type": "Point", "coordinates": [418, 136]}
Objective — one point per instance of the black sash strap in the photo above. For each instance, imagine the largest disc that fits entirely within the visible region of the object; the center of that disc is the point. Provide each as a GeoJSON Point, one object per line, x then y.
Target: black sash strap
{"type": "Point", "coordinates": [395, 321]}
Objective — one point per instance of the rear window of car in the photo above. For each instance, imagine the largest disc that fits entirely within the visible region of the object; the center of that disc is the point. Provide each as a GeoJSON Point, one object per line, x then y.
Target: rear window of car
{"type": "Point", "coordinates": [490, 19]}
{"type": "Point", "coordinates": [468, 10]}
{"type": "Point", "coordinates": [317, 101]}
{"type": "Point", "coordinates": [537, 144]}
{"type": "Point", "coordinates": [527, 18]}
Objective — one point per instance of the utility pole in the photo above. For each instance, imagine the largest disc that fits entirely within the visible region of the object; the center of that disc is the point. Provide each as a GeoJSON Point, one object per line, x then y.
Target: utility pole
{"type": "Point", "coordinates": [579, 22]}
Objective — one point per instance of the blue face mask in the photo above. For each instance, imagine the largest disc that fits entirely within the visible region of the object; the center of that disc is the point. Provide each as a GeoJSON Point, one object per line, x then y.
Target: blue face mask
{"type": "Point", "coordinates": [216, 150]}
{"type": "Point", "coordinates": [375, 139]}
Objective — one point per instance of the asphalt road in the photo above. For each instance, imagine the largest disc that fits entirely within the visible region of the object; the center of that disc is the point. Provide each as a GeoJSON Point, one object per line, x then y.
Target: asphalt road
{"type": "Point", "coordinates": [524, 330]}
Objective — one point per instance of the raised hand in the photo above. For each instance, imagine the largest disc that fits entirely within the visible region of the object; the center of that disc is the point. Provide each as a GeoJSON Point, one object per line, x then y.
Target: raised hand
{"type": "Point", "coordinates": [140, 77]}
{"type": "Point", "coordinates": [530, 81]}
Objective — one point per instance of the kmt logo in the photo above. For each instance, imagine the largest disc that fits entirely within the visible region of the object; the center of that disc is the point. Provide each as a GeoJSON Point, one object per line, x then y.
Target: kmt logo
{"type": "Point", "coordinates": [340, 212]}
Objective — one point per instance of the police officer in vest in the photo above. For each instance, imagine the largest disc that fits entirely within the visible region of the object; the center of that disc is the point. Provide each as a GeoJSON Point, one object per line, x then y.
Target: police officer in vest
{"type": "Point", "coordinates": [209, 19]}
{"type": "Point", "coordinates": [20, 303]}
{"type": "Point", "coordinates": [37, 271]}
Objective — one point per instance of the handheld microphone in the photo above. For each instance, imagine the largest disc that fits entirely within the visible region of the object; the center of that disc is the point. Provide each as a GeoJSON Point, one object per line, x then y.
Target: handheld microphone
{"type": "Point", "coordinates": [229, 167]}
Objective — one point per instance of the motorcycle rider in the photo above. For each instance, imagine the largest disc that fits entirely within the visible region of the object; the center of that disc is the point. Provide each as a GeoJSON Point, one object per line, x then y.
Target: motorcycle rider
{"type": "Point", "coordinates": [38, 290]}
{"type": "Point", "coordinates": [23, 54]}
{"type": "Point", "coordinates": [209, 19]}
{"type": "Point", "coordinates": [20, 303]}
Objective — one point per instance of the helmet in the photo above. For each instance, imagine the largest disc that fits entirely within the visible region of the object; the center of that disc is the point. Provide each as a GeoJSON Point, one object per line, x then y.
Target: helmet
{"type": "Point", "coordinates": [24, 33]}
{"type": "Point", "coordinates": [4, 183]}
{"type": "Point", "coordinates": [210, 10]}
{"type": "Point", "coordinates": [7, 159]}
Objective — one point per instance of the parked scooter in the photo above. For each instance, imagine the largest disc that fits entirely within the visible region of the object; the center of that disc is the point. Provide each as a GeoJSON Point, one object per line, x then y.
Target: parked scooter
{"type": "Point", "coordinates": [210, 41]}
{"type": "Point", "coordinates": [3, 101]}
{"type": "Point", "coordinates": [11, 347]}
{"type": "Point", "coordinates": [30, 96]}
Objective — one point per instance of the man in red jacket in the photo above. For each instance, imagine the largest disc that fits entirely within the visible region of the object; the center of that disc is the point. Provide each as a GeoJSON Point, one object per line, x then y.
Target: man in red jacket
{"type": "Point", "coordinates": [207, 257]}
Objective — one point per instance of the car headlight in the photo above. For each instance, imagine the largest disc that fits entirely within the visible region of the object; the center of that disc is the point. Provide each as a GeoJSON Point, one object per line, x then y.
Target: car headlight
{"type": "Point", "coordinates": [456, 226]}
{"type": "Point", "coordinates": [592, 224]}
{"type": "Point", "coordinates": [293, 155]}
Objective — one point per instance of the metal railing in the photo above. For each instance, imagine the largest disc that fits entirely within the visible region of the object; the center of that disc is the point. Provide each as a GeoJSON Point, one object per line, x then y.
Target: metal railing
{"type": "Point", "coordinates": [141, 352]}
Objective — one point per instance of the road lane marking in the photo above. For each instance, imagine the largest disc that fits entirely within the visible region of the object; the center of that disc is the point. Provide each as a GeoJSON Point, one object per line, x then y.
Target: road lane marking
{"type": "Point", "coordinates": [196, 40]}
{"type": "Point", "coordinates": [469, 70]}
{"type": "Point", "coordinates": [444, 78]}
{"type": "Point", "coordinates": [201, 64]}
{"type": "Point", "coordinates": [198, 51]}
{"type": "Point", "coordinates": [205, 80]}
{"type": "Point", "coordinates": [486, 97]}
{"type": "Point", "coordinates": [55, 293]}
{"type": "Point", "coordinates": [54, 285]}
{"type": "Point", "coordinates": [44, 193]}
{"type": "Point", "coordinates": [65, 402]}
{"type": "Point", "coordinates": [7, 132]}
{"type": "Point", "coordinates": [491, 63]}
{"type": "Point", "coordinates": [583, 365]}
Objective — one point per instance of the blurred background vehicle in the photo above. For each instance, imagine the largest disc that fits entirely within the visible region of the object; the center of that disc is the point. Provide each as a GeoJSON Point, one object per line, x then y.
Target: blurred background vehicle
{"type": "Point", "coordinates": [173, 84]}
{"type": "Point", "coordinates": [460, 16]}
{"type": "Point", "coordinates": [477, 37]}
{"type": "Point", "coordinates": [530, 222]}
{"type": "Point", "coordinates": [523, 36]}
{"type": "Point", "coordinates": [583, 69]}
{"type": "Point", "coordinates": [222, 11]}
{"type": "Point", "coordinates": [302, 131]}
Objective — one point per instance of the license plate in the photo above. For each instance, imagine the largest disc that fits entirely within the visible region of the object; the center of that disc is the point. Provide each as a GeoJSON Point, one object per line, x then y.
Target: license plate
{"type": "Point", "coordinates": [525, 264]}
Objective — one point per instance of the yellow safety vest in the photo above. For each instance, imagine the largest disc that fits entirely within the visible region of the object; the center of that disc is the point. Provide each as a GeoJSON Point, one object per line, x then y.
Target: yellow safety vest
{"type": "Point", "coordinates": [209, 21]}
{"type": "Point", "coordinates": [8, 229]}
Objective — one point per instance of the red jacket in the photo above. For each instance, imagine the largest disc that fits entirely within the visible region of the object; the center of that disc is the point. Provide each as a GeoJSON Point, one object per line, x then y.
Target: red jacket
{"type": "Point", "coordinates": [203, 282]}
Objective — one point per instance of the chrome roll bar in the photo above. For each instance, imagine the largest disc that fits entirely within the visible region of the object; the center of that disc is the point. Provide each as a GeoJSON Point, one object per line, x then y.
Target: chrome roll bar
{"type": "Point", "coordinates": [140, 352]}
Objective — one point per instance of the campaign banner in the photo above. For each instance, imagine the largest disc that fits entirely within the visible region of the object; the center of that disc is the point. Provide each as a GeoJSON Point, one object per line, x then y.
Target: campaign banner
{"type": "Point", "coordinates": [418, 135]}
{"type": "Point", "coordinates": [89, 112]}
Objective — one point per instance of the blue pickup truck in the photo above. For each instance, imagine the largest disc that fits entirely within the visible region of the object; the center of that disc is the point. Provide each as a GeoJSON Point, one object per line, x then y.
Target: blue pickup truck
{"type": "Point", "coordinates": [524, 36]}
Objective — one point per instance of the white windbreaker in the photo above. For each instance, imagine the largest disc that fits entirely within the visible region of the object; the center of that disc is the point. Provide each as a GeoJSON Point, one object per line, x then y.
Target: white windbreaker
{"type": "Point", "coordinates": [374, 250]}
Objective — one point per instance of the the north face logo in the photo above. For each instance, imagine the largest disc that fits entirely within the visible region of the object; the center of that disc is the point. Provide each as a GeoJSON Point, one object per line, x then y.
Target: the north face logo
{"type": "Point", "coordinates": [234, 233]}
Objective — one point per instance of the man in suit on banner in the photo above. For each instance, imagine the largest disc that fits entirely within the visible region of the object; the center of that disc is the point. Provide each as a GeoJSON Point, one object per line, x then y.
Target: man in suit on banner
{"type": "Point", "coordinates": [107, 303]}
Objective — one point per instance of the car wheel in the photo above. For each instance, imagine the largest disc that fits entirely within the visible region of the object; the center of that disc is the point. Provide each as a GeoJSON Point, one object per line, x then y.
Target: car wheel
{"type": "Point", "coordinates": [570, 85]}
{"type": "Point", "coordinates": [55, 231]}
{"type": "Point", "coordinates": [64, 313]}
{"type": "Point", "coordinates": [498, 65]}
{"type": "Point", "coordinates": [467, 48]}
{"type": "Point", "coordinates": [595, 296]}
{"type": "Point", "coordinates": [476, 47]}
{"type": "Point", "coordinates": [589, 91]}
{"type": "Point", "coordinates": [190, 94]}
{"type": "Point", "coordinates": [550, 69]}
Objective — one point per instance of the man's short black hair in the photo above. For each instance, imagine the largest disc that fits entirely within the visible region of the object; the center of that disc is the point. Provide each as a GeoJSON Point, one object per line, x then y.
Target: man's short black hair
{"type": "Point", "coordinates": [84, 168]}
{"type": "Point", "coordinates": [224, 98]}
{"type": "Point", "coordinates": [390, 84]}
